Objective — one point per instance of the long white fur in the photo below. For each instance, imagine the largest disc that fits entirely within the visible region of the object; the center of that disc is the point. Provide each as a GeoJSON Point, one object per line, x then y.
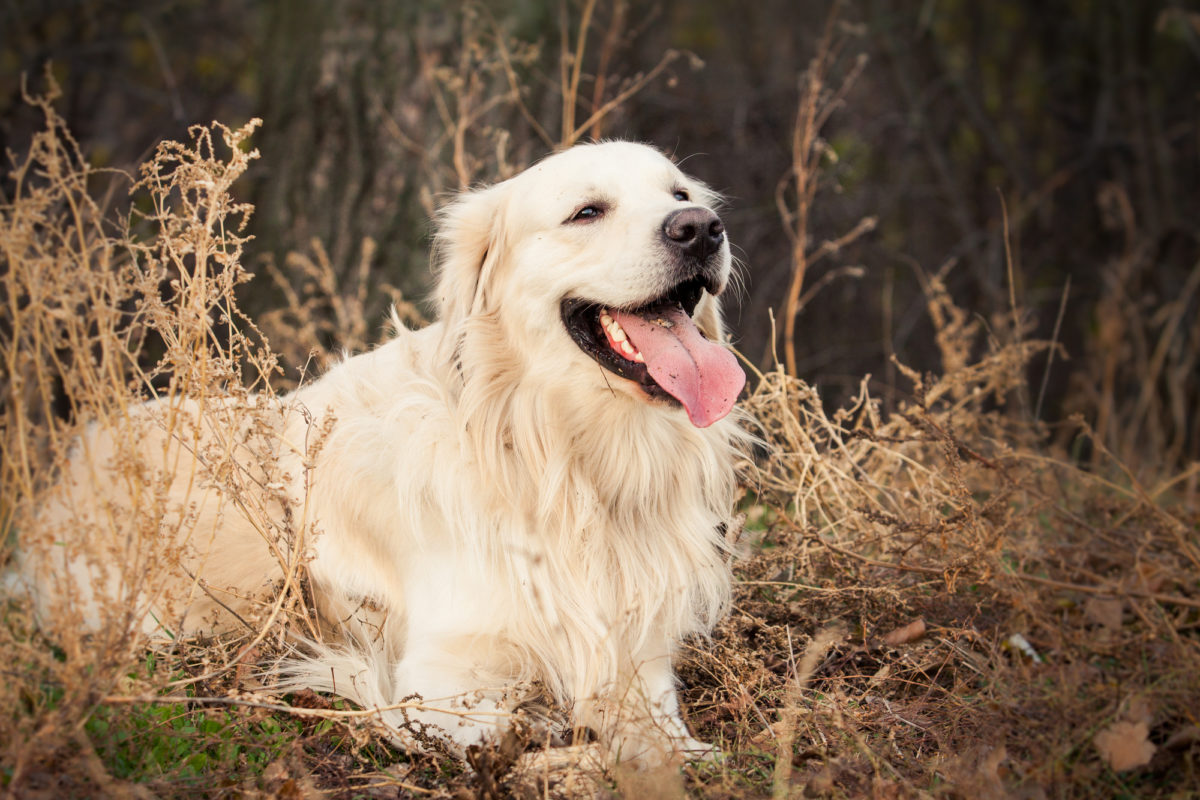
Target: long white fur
{"type": "Point", "coordinates": [495, 509]}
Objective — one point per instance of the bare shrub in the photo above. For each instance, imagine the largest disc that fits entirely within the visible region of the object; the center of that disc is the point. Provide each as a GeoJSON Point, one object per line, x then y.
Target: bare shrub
{"type": "Point", "coordinates": [123, 345]}
{"type": "Point", "coordinates": [819, 97]}
{"type": "Point", "coordinates": [939, 586]}
{"type": "Point", "coordinates": [938, 600]}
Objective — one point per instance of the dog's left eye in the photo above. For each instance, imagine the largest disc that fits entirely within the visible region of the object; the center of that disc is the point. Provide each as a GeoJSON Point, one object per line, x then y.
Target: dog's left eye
{"type": "Point", "coordinates": [587, 214]}
{"type": "Point", "coordinates": [680, 194]}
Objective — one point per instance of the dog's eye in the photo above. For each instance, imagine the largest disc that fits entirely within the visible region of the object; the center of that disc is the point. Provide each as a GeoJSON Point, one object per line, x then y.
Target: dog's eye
{"type": "Point", "coordinates": [680, 194]}
{"type": "Point", "coordinates": [587, 213]}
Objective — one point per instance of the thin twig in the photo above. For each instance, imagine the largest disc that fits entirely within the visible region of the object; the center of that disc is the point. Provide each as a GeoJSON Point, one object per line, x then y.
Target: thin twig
{"type": "Point", "coordinates": [281, 708]}
{"type": "Point", "coordinates": [1062, 308]}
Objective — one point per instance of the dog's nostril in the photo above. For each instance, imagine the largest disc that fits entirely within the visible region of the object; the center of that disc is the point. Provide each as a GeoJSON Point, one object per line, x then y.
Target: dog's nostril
{"type": "Point", "coordinates": [698, 231]}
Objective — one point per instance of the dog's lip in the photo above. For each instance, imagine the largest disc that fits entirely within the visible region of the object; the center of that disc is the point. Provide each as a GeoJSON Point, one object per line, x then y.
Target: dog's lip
{"type": "Point", "coordinates": [581, 318]}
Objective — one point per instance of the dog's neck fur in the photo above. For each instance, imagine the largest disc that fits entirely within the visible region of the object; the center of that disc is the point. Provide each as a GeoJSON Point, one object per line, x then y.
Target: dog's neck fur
{"type": "Point", "coordinates": [530, 439]}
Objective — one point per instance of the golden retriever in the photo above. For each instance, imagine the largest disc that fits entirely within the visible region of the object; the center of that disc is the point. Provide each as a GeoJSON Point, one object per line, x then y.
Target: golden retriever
{"type": "Point", "coordinates": [534, 490]}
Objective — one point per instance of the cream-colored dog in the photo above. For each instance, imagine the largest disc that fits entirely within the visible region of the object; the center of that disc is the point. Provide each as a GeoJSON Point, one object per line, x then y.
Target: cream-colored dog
{"type": "Point", "coordinates": [532, 491]}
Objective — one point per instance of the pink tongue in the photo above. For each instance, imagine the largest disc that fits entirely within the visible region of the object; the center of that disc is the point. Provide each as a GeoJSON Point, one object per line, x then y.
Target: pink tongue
{"type": "Point", "coordinates": [700, 374]}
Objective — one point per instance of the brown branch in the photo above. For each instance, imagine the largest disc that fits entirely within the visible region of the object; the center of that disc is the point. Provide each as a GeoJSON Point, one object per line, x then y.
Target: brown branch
{"type": "Point", "coordinates": [1166, 599]}
{"type": "Point", "coordinates": [635, 87]}
{"type": "Point", "coordinates": [608, 49]}
{"type": "Point", "coordinates": [815, 106]}
{"type": "Point", "coordinates": [281, 708]}
{"type": "Point", "coordinates": [515, 85]}
{"type": "Point", "coordinates": [571, 92]}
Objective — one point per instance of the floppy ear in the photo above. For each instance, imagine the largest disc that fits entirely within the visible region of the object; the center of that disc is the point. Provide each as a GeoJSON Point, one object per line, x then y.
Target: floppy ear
{"type": "Point", "coordinates": [467, 244]}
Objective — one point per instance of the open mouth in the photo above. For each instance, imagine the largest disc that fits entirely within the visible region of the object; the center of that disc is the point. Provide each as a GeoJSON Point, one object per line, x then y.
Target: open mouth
{"type": "Point", "coordinates": [658, 347]}
{"type": "Point", "coordinates": [591, 327]}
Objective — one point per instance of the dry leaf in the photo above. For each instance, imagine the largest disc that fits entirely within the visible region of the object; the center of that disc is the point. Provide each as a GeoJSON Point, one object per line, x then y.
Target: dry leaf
{"type": "Point", "coordinates": [977, 773]}
{"type": "Point", "coordinates": [1185, 737]}
{"type": "Point", "coordinates": [1125, 745]}
{"type": "Point", "coordinates": [989, 766]}
{"type": "Point", "coordinates": [245, 672]}
{"type": "Point", "coordinates": [773, 732]}
{"type": "Point", "coordinates": [1106, 611]}
{"type": "Point", "coordinates": [881, 674]}
{"type": "Point", "coordinates": [1138, 710]}
{"type": "Point", "coordinates": [1151, 576]}
{"type": "Point", "coordinates": [909, 633]}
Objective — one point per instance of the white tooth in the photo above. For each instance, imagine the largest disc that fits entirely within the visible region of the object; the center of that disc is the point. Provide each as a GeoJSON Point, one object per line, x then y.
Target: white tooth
{"type": "Point", "coordinates": [638, 357]}
{"type": "Point", "coordinates": [606, 320]}
{"type": "Point", "coordinates": [627, 348]}
{"type": "Point", "coordinates": [618, 334]}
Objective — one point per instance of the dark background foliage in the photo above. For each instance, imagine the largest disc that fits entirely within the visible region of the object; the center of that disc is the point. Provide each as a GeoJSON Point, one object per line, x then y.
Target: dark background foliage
{"type": "Point", "coordinates": [1073, 126]}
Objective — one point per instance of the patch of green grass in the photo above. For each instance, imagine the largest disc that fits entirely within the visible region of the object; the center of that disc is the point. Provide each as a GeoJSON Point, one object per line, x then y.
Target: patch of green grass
{"type": "Point", "coordinates": [174, 742]}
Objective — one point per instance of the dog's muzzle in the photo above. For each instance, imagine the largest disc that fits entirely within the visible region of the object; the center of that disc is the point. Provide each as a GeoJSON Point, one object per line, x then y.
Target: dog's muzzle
{"type": "Point", "coordinates": [695, 235]}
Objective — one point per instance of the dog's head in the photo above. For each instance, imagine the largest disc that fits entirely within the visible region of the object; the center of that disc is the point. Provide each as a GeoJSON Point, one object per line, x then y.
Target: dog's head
{"type": "Point", "coordinates": [604, 254]}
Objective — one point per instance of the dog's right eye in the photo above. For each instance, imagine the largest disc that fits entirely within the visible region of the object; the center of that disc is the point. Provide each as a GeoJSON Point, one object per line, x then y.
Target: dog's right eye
{"type": "Point", "coordinates": [587, 214]}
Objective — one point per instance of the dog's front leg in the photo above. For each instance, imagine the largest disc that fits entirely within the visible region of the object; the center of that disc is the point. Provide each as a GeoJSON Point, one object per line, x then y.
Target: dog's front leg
{"type": "Point", "coordinates": [639, 718]}
{"type": "Point", "coordinates": [453, 702]}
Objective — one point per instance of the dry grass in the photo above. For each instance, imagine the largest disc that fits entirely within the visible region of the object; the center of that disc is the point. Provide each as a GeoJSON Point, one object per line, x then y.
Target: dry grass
{"type": "Point", "coordinates": [797, 191]}
{"type": "Point", "coordinates": [103, 313]}
{"type": "Point", "coordinates": [936, 603]}
{"type": "Point", "coordinates": [933, 602]}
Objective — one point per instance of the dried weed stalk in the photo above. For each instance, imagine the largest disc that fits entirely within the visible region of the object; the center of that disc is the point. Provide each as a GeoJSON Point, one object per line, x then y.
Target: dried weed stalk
{"type": "Point", "coordinates": [489, 122]}
{"type": "Point", "coordinates": [101, 317]}
{"type": "Point", "coordinates": [796, 191]}
{"type": "Point", "coordinates": [325, 317]}
{"type": "Point", "coordinates": [1141, 383]}
{"type": "Point", "coordinates": [997, 602]}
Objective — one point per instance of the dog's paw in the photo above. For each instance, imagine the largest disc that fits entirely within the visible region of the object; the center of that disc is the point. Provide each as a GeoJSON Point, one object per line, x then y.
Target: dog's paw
{"type": "Point", "coordinates": [571, 771]}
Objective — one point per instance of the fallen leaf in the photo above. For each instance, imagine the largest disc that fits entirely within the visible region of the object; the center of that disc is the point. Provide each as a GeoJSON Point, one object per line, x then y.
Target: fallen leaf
{"type": "Point", "coordinates": [1106, 611]}
{"type": "Point", "coordinates": [773, 732]}
{"type": "Point", "coordinates": [909, 633]}
{"type": "Point", "coordinates": [989, 766]}
{"type": "Point", "coordinates": [881, 674]}
{"type": "Point", "coordinates": [245, 670]}
{"type": "Point", "coordinates": [1138, 709]}
{"type": "Point", "coordinates": [1125, 745]}
{"type": "Point", "coordinates": [977, 773]}
{"type": "Point", "coordinates": [1185, 737]}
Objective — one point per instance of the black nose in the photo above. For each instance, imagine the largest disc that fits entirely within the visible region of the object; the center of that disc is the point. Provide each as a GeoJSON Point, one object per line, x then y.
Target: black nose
{"type": "Point", "coordinates": [697, 231]}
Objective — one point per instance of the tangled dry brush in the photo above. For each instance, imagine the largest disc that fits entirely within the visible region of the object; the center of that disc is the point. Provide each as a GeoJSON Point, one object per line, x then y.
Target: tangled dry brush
{"type": "Point", "coordinates": [933, 600]}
